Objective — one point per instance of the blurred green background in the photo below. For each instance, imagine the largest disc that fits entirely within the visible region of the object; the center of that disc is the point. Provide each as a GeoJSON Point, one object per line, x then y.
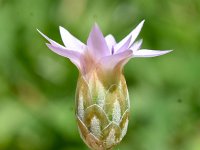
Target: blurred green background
{"type": "Point", "coordinates": [37, 87]}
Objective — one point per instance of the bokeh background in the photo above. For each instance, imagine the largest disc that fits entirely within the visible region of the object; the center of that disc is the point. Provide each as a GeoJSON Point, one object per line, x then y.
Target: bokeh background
{"type": "Point", "coordinates": [37, 87]}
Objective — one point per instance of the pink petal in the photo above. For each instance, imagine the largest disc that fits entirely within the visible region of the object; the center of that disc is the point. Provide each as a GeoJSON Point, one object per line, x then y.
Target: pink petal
{"type": "Point", "coordinates": [50, 40]}
{"type": "Point", "coordinates": [124, 47]}
{"type": "Point", "coordinates": [149, 53]}
{"type": "Point", "coordinates": [110, 62]}
{"type": "Point", "coordinates": [110, 40]}
{"type": "Point", "coordinates": [74, 56]}
{"type": "Point", "coordinates": [136, 46]}
{"type": "Point", "coordinates": [70, 41]}
{"type": "Point", "coordinates": [97, 44]}
{"type": "Point", "coordinates": [134, 33]}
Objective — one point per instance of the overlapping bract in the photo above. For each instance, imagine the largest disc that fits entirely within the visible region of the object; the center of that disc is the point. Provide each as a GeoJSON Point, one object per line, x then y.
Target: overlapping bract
{"type": "Point", "coordinates": [102, 112]}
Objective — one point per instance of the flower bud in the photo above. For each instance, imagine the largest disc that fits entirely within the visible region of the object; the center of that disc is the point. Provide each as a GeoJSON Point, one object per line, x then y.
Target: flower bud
{"type": "Point", "coordinates": [102, 111]}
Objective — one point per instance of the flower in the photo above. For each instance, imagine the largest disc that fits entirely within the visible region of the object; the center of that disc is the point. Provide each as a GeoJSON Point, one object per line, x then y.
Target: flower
{"type": "Point", "coordinates": [102, 99]}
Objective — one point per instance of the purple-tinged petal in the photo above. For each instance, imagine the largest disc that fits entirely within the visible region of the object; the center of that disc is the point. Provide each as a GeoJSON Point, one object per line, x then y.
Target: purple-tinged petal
{"type": "Point", "coordinates": [123, 47]}
{"type": "Point", "coordinates": [149, 53]}
{"type": "Point", "coordinates": [110, 40]}
{"type": "Point", "coordinates": [134, 33]}
{"type": "Point", "coordinates": [110, 62]}
{"type": "Point", "coordinates": [96, 43]}
{"type": "Point", "coordinates": [70, 41]}
{"type": "Point", "coordinates": [136, 46]}
{"type": "Point", "coordinates": [50, 40]}
{"type": "Point", "coordinates": [74, 56]}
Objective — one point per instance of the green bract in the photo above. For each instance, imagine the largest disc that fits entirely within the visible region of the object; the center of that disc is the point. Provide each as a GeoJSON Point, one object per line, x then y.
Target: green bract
{"type": "Point", "coordinates": [102, 111]}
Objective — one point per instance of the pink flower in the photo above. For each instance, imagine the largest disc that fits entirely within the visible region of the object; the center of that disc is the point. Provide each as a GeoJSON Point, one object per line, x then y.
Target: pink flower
{"type": "Point", "coordinates": [100, 50]}
{"type": "Point", "coordinates": [102, 99]}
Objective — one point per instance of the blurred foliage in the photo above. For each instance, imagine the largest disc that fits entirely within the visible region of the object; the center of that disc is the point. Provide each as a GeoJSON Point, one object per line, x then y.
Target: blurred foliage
{"type": "Point", "coordinates": [37, 86]}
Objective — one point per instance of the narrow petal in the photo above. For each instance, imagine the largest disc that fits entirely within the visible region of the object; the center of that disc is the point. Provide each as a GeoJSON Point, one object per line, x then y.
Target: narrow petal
{"type": "Point", "coordinates": [70, 41]}
{"type": "Point", "coordinates": [134, 33]}
{"type": "Point", "coordinates": [97, 44]}
{"type": "Point", "coordinates": [50, 40]}
{"type": "Point", "coordinates": [110, 62]}
{"type": "Point", "coordinates": [137, 45]}
{"type": "Point", "coordinates": [74, 56]}
{"type": "Point", "coordinates": [110, 40]}
{"type": "Point", "coordinates": [124, 47]}
{"type": "Point", "coordinates": [149, 53]}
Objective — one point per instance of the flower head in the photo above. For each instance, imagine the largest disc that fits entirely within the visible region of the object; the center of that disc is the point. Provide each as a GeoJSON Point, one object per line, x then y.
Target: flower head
{"type": "Point", "coordinates": [102, 100]}
{"type": "Point", "coordinates": [100, 51]}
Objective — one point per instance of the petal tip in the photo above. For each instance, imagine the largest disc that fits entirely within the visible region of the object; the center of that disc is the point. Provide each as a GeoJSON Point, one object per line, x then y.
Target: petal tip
{"type": "Point", "coordinates": [47, 38]}
{"type": "Point", "coordinates": [150, 53]}
{"type": "Point", "coordinates": [47, 44]}
{"type": "Point", "coordinates": [96, 26]}
{"type": "Point", "coordinates": [143, 21]}
{"type": "Point", "coordinates": [167, 51]}
{"type": "Point", "coordinates": [141, 24]}
{"type": "Point", "coordinates": [40, 32]}
{"type": "Point", "coordinates": [95, 23]}
{"type": "Point", "coordinates": [61, 29]}
{"type": "Point", "coordinates": [164, 52]}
